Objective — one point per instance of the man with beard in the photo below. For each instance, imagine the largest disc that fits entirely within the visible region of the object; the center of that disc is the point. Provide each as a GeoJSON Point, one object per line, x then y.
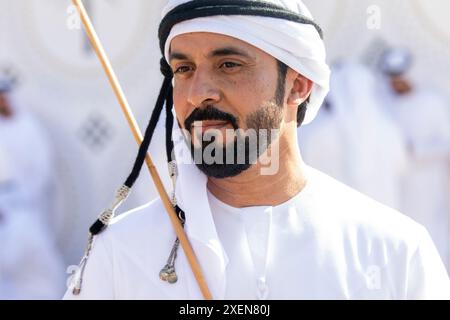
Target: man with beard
{"type": "Point", "coordinates": [245, 75]}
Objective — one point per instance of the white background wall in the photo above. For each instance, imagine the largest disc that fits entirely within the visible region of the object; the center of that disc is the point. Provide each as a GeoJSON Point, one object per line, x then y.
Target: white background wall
{"type": "Point", "coordinates": [63, 84]}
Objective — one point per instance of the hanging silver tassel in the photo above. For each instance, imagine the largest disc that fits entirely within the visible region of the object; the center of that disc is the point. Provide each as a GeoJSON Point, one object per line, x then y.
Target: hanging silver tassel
{"type": "Point", "coordinates": [121, 195]}
{"type": "Point", "coordinates": [168, 273]}
{"type": "Point", "coordinates": [102, 222]}
{"type": "Point", "coordinates": [77, 288]}
{"type": "Point", "coordinates": [173, 174]}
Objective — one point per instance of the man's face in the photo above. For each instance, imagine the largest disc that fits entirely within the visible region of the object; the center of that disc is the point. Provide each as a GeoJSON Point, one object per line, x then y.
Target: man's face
{"type": "Point", "coordinates": [5, 108]}
{"type": "Point", "coordinates": [401, 85]}
{"type": "Point", "coordinates": [224, 84]}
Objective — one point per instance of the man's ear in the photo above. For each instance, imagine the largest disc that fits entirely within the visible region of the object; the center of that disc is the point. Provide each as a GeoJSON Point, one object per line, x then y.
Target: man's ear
{"type": "Point", "coordinates": [300, 91]}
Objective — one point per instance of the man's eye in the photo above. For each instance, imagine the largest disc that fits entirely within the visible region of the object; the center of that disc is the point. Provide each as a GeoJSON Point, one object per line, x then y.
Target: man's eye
{"type": "Point", "coordinates": [230, 65]}
{"type": "Point", "coordinates": [182, 69]}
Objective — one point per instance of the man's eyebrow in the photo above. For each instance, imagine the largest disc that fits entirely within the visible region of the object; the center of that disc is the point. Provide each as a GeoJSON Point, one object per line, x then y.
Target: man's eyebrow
{"type": "Point", "coordinates": [228, 51]}
{"type": "Point", "coordinates": [221, 52]}
{"type": "Point", "coordinates": [177, 56]}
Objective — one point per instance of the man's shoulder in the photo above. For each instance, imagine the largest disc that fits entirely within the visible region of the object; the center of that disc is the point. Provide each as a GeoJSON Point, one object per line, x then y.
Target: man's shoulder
{"type": "Point", "coordinates": [127, 256]}
{"type": "Point", "coordinates": [147, 221]}
{"type": "Point", "coordinates": [355, 212]}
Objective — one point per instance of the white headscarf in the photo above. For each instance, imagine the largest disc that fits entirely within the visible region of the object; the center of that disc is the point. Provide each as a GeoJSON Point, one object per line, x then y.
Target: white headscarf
{"type": "Point", "coordinates": [297, 45]}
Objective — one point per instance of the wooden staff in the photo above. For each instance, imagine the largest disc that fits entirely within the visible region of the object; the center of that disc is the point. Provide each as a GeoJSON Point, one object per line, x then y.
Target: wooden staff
{"type": "Point", "coordinates": [189, 252]}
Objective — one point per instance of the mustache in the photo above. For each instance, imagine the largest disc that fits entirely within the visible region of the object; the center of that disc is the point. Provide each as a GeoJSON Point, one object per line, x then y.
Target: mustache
{"type": "Point", "coordinates": [210, 113]}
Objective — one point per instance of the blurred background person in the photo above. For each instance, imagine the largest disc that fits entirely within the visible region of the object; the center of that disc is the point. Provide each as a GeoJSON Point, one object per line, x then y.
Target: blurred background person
{"type": "Point", "coordinates": [26, 143]}
{"type": "Point", "coordinates": [359, 144]}
{"type": "Point", "coordinates": [422, 114]}
{"type": "Point", "coordinates": [30, 265]}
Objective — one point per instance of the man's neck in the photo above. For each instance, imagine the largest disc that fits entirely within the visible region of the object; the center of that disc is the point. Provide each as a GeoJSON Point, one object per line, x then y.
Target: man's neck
{"type": "Point", "coordinates": [251, 188]}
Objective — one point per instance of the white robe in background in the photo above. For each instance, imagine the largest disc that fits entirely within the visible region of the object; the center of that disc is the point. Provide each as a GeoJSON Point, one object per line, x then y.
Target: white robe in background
{"type": "Point", "coordinates": [423, 116]}
{"type": "Point", "coordinates": [323, 145]}
{"type": "Point", "coordinates": [27, 145]}
{"type": "Point", "coordinates": [356, 142]}
{"type": "Point", "coordinates": [30, 265]}
{"type": "Point", "coordinates": [328, 242]}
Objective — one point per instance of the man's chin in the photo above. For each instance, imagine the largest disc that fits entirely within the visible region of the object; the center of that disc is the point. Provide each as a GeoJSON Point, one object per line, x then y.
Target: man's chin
{"type": "Point", "coordinates": [223, 171]}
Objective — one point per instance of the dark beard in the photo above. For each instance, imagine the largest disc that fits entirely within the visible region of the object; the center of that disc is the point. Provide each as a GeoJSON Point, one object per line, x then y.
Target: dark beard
{"type": "Point", "coordinates": [238, 151]}
{"type": "Point", "coordinates": [242, 151]}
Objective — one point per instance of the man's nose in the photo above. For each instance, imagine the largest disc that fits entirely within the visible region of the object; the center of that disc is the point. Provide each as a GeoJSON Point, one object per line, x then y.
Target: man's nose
{"type": "Point", "coordinates": [203, 90]}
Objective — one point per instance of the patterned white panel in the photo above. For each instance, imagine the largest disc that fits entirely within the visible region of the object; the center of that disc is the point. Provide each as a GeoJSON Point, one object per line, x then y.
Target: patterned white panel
{"type": "Point", "coordinates": [433, 44]}
{"type": "Point", "coordinates": [50, 29]}
{"type": "Point", "coordinates": [329, 14]}
{"type": "Point", "coordinates": [433, 16]}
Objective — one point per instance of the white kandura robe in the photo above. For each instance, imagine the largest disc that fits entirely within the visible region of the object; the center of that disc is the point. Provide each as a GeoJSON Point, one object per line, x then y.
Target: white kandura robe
{"type": "Point", "coordinates": [30, 264]}
{"type": "Point", "coordinates": [356, 142]}
{"type": "Point", "coordinates": [328, 242]}
{"type": "Point", "coordinates": [332, 155]}
{"type": "Point", "coordinates": [423, 116]}
{"type": "Point", "coordinates": [26, 143]}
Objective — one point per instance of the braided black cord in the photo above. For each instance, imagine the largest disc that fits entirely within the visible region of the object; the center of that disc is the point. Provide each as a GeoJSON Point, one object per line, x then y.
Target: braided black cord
{"type": "Point", "coordinates": [169, 125]}
{"type": "Point", "coordinates": [149, 133]}
{"type": "Point", "coordinates": [198, 4]}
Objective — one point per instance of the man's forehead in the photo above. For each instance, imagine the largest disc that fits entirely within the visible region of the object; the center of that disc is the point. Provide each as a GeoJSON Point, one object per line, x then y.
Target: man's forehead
{"type": "Point", "coordinates": [210, 45]}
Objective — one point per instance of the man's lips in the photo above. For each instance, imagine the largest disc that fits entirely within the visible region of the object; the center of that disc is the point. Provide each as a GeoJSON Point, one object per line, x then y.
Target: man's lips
{"type": "Point", "coordinates": [203, 126]}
